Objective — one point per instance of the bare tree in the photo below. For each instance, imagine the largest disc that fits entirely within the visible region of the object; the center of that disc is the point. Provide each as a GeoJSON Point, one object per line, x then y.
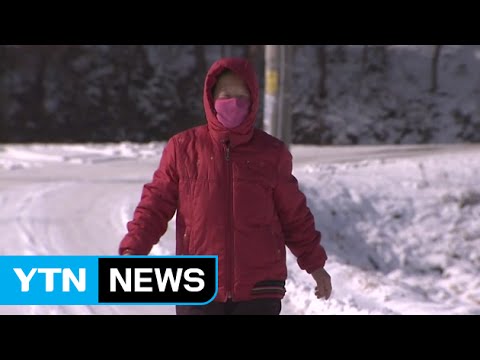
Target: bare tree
{"type": "Point", "coordinates": [200, 57]}
{"type": "Point", "coordinates": [434, 69]}
{"type": "Point", "coordinates": [225, 50]}
{"type": "Point", "coordinates": [37, 92]}
{"type": "Point", "coordinates": [322, 60]}
{"type": "Point", "coordinates": [378, 60]}
{"type": "Point", "coordinates": [383, 54]}
{"type": "Point", "coordinates": [256, 55]}
{"type": "Point", "coordinates": [364, 58]}
{"type": "Point", "coordinates": [4, 63]}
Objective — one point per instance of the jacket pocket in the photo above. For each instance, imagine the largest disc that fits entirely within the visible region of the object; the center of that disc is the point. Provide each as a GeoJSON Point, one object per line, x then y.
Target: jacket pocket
{"type": "Point", "coordinates": [278, 246]}
{"type": "Point", "coordinates": [279, 240]}
{"type": "Point", "coordinates": [253, 193]}
{"type": "Point", "coordinates": [260, 172]}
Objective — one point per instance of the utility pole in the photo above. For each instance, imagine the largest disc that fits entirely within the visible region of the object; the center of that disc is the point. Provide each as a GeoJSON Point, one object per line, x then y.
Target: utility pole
{"type": "Point", "coordinates": [277, 102]}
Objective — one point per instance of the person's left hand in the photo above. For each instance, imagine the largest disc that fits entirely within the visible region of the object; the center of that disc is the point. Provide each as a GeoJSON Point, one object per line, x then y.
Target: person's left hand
{"type": "Point", "coordinates": [324, 283]}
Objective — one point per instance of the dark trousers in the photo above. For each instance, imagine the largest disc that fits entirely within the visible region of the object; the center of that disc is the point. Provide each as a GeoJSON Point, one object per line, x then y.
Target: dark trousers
{"type": "Point", "coordinates": [252, 307]}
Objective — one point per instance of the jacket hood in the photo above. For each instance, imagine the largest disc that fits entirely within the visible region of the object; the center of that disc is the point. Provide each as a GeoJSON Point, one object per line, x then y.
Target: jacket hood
{"type": "Point", "coordinates": [245, 70]}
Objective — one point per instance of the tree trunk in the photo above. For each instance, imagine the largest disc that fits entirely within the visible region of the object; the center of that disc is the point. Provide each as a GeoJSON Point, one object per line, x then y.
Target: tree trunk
{"type": "Point", "coordinates": [201, 59]}
{"type": "Point", "coordinates": [364, 58]}
{"type": "Point", "coordinates": [434, 70]}
{"type": "Point", "coordinates": [322, 59]}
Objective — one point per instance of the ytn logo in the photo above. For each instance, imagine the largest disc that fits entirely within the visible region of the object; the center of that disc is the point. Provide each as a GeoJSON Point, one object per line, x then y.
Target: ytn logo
{"type": "Point", "coordinates": [67, 278]}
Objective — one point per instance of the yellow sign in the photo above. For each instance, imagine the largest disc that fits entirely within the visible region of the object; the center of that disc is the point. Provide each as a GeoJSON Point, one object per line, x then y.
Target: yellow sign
{"type": "Point", "coordinates": [271, 82]}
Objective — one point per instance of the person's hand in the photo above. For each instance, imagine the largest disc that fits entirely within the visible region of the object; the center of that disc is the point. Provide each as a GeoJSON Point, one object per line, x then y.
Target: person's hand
{"type": "Point", "coordinates": [324, 283]}
{"type": "Point", "coordinates": [128, 252]}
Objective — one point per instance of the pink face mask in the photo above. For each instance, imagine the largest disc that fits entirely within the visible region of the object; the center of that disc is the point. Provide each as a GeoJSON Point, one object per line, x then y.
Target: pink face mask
{"type": "Point", "coordinates": [232, 112]}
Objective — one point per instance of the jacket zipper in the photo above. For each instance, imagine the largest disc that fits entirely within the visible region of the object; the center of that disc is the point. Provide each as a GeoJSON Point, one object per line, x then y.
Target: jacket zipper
{"type": "Point", "coordinates": [229, 239]}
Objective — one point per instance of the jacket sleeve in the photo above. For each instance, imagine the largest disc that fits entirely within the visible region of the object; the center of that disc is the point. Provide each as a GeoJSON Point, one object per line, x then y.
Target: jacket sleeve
{"type": "Point", "coordinates": [156, 208]}
{"type": "Point", "coordinates": [298, 223]}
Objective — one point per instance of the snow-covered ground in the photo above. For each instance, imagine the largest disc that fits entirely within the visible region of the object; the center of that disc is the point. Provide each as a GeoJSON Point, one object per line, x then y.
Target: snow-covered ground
{"type": "Point", "coordinates": [400, 223]}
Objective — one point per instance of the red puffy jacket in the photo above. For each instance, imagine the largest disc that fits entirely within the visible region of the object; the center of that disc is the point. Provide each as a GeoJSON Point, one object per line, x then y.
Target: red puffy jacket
{"type": "Point", "coordinates": [235, 197]}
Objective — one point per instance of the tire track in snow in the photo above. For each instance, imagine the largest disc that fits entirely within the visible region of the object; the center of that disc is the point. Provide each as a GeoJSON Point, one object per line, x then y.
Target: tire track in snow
{"type": "Point", "coordinates": [68, 218]}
